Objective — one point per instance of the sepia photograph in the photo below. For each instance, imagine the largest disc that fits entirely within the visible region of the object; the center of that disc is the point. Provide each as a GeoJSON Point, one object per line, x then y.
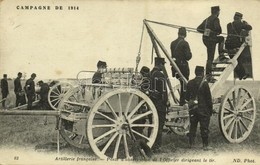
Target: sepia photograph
{"type": "Point", "coordinates": [121, 81]}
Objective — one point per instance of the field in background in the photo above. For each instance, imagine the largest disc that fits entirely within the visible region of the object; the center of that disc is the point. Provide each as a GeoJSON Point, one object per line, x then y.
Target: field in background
{"type": "Point", "coordinates": [26, 132]}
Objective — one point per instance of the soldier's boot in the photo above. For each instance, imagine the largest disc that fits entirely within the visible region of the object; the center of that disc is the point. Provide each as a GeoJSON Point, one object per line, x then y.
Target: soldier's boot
{"type": "Point", "coordinates": [222, 57]}
{"type": "Point", "coordinates": [206, 146]}
{"type": "Point", "coordinates": [191, 142]}
{"type": "Point", "coordinates": [222, 52]}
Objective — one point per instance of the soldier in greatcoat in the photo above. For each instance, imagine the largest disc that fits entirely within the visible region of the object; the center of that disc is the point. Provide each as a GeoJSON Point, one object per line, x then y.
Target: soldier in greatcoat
{"type": "Point", "coordinates": [4, 89]}
{"type": "Point", "coordinates": [199, 101]}
{"type": "Point", "coordinates": [211, 30]}
{"type": "Point", "coordinates": [181, 54]}
{"type": "Point", "coordinates": [18, 90]}
{"type": "Point", "coordinates": [30, 90]}
{"type": "Point", "coordinates": [44, 90]}
{"type": "Point", "coordinates": [237, 31]}
{"type": "Point", "coordinates": [159, 96]}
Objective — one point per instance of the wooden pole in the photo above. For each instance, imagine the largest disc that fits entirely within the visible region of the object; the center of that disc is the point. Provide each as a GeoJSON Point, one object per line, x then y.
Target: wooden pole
{"type": "Point", "coordinates": [30, 112]}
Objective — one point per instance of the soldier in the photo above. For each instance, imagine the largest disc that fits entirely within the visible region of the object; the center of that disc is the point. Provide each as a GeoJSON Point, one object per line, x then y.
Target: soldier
{"type": "Point", "coordinates": [145, 88]}
{"type": "Point", "coordinates": [30, 90]}
{"type": "Point", "coordinates": [146, 78]}
{"type": "Point", "coordinates": [97, 77]}
{"type": "Point", "coordinates": [200, 105]}
{"type": "Point", "coordinates": [237, 30]}
{"type": "Point", "coordinates": [4, 89]}
{"type": "Point", "coordinates": [44, 95]}
{"type": "Point", "coordinates": [181, 54]}
{"type": "Point", "coordinates": [159, 96]}
{"type": "Point", "coordinates": [18, 90]}
{"type": "Point", "coordinates": [211, 29]}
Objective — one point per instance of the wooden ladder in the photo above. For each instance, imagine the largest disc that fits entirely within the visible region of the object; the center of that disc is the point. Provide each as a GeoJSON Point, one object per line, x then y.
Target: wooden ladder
{"type": "Point", "coordinates": [222, 70]}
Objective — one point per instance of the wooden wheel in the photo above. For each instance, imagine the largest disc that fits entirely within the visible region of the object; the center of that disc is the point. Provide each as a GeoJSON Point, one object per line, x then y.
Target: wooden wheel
{"type": "Point", "coordinates": [237, 114]}
{"type": "Point", "coordinates": [113, 115]}
{"type": "Point", "coordinates": [74, 108]}
{"type": "Point", "coordinates": [56, 93]}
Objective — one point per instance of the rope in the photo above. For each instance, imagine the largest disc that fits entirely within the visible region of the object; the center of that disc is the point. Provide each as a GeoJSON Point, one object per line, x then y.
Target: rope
{"type": "Point", "coordinates": [138, 58]}
{"type": "Point", "coordinates": [189, 29]}
{"type": "Point", "coordinates": [152, 55]}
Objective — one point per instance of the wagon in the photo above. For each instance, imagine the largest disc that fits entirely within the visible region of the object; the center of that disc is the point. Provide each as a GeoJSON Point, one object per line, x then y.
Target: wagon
{"type": "Point", "coordinates": [93, 114]}
{"type": "Point", "coordinates": [104, 115]}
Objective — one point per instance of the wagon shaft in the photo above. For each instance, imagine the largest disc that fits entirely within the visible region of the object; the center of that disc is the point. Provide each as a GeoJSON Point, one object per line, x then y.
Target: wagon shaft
{"type": "Point", "coordinates": [30, 112]}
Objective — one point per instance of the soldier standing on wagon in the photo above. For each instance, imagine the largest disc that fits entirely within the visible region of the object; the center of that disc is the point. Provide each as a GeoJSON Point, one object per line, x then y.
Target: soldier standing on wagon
{"type": "Point", "coordinates": [4, 89]}
{"type": "Point", "coordinates": [181, 54]}
{"type": "Point", "coordinates": [200, 105]}
{"type": "Point", "coordinates": [159, 96]}
{"type": "Point", "coordinates": [236, 31]}
{"type": "Point", "coordinates": [18, 90]}
{"type": "Point", "coordinates": [211, 30]}
{"type": "Point", "coordinates": [30, 90]}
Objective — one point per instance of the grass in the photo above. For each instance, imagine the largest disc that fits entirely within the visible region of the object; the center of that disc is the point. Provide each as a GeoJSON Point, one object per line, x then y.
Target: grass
{"type": "Point", "coordinates": [25, 132]}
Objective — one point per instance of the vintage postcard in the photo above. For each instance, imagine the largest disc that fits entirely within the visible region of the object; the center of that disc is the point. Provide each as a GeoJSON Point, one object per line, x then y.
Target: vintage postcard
{"type": "Point", "coordinates": [86, 81]}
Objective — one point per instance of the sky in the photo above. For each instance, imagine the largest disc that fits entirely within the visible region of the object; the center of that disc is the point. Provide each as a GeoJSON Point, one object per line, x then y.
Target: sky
{"type": "Point", "coordinates": [60, 43]}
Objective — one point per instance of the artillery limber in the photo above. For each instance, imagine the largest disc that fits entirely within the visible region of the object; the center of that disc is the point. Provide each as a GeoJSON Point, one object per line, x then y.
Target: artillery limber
{"type": "Point", "coordinates": [103, 115]}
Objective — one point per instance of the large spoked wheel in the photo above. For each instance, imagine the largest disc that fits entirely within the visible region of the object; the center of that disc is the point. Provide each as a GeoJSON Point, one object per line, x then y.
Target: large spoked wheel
{"type": "Point", "coordinates": [237, 114]}
{"type": "Point", "coordinates": [57, 92]}
{"type": "Point", "coordinates": [114, 115]}
{"type": "Point", "coordinates": [74, 108]}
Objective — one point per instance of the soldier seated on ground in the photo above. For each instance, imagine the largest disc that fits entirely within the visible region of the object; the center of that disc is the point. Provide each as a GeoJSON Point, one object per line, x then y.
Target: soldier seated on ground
{"type": "Point", "coordinates": [44, 95]}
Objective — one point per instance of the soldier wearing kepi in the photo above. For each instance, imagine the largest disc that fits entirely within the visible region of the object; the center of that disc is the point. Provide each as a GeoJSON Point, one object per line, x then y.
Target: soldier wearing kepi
{"type": "Point", "coordinates": [4, 89]}
{"type": "Point", "coordinates": [18, 90]}
{"type": "Point", "coordinates": [30, 90]}
{"type": "Point", "coordinates": [159, 96]}
{"type": "Point", "coordinates": [200, 104]}
{"type": "Point", "coordinates": [237, 31]}
{"type": "Point", "coordinates": [181, 54]}
{"type": "Point", "coordinates": [211, 29]}
{"type": "Point", "coordinates": [97, 77]}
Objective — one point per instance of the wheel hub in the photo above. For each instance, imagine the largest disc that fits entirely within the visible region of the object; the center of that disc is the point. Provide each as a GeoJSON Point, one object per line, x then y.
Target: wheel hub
{"type": "Point", "coordinates": [61, 96]}
{"type": "Point", "coordinates": [121, 126]}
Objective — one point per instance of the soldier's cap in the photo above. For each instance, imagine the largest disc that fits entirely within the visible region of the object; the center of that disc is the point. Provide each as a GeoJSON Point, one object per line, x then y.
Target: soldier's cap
{"type": "Point", "coordinates": [237, 14]}
{"type": "Point", "coordinates": [159, 60]}
{"type": "Point", "coordinates": [182, 31]}
{"type": "Point", "coordinates": [4, 75]}
{"type": "Point", "coordinates": [144, 69]}
{"type": "Point", "coordinates": [199, 69]}
{"type": "Point", "coordinates": [40, 82]}
{"type": "Point", "coordinates": [33, 75]}
{"type": "Point", "coordinates": [215, 9]}
{"type": "Point", "coordinates": [101, 63]}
